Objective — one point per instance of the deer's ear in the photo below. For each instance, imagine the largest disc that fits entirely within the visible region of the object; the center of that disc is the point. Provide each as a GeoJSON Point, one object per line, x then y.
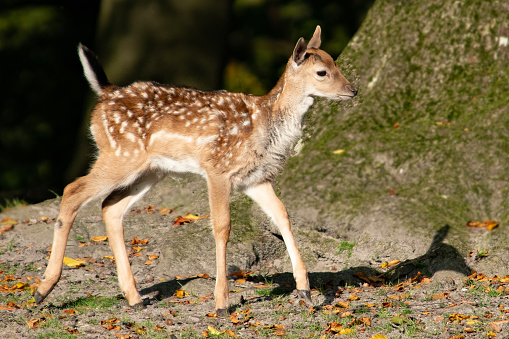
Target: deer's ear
{"type": "Point", "coordinates": [299, 52]}
{"type": "Point", "coordinates": [315, 41]}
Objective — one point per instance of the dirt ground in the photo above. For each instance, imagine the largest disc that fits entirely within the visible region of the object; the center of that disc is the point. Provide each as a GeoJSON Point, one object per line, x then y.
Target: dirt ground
{"type": "Point", "coordinates": [398, 301]}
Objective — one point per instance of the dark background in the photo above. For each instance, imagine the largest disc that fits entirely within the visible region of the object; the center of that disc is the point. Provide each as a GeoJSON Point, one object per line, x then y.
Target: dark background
{"type": "Point", "coordinates": [45, 101]}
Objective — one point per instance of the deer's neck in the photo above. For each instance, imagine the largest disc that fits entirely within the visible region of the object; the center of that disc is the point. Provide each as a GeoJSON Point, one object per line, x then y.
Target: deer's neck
{"type": "Point", "coordinates": [285, 108]}
{"type": "Point", "coordinates": [288, 99]}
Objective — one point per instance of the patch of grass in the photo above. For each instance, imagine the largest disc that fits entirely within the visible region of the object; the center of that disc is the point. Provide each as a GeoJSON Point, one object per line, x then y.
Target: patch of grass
{"type": "Point", "coordinates": [347, 247]}
{"type": "Point", "coordinates": [83, 304]}
{"type": "Point", "coordinates": [12, 203]}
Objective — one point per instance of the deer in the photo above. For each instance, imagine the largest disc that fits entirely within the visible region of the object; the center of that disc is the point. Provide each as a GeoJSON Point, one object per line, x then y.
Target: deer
{"type": "Point", "coordinates": [147, 130]}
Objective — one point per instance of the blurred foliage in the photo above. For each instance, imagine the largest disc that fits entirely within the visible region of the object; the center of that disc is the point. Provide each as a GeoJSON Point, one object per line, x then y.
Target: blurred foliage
{"type": "Point", "coordinates": [45, 101]}
{"type": "Point", "coordinates": [264, 33]}
{"type": "Point", "coordinates": [40, 92]}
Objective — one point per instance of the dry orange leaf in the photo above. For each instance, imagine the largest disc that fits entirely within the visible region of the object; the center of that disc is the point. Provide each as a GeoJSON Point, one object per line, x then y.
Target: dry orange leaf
{"type": "Point", "coordinates": [489, 224]}
{"type": "Point", "coordinates": [456, 316]}
{"type": "Point", "coordinates": [100, 238]}
{"type": "Point", "coordinates": [136, 241]}
{"type": "Point", "coordinates": [166, 211]}
{"type": "Point", "coordinates": [237, 274]}
{"type": "Point", "coordinates": [8, 222]}
{"type": "Point", "coordinates": [137, 248]}
{"type": "Point", "coordinates": [153, 256]}
{"type": "Point", "coordinates": [150, 209]}
{"type": "Point", "coordinates": [7, 229]}
{"type": "Point", "coordinates": [34, 323]}
{"type": "Point", "coordinates": [204, 275]}
{"type": "Point", "coordinates": [353, 297]}
{"type": "Point", "coordinates": [188, 218]}
{"type": "Point", "coordinates": [393, 262]}
{"type": "Point", "coordinates": [343, 304]}
{"type": "Point", "coordinates": [180, 293]}
{"type": "Point", "coordinates": [72, 263]}
{"type": "Point", "coordinates": [334, 327]}
{"type": "Point", "coordinates": [148, 262]}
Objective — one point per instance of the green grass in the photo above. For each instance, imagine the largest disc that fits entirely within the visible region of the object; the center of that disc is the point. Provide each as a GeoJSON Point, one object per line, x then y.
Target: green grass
{"type": "Point", "coordinates": [84, 304]}
{"type": "Point", "coordinates": [347, 247]}
{"type": "Point", "coordinates": [12, 203]}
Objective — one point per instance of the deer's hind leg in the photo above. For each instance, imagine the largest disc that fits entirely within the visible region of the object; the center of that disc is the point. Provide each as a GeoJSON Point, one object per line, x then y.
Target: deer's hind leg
{"type": "Point", "coordinates": [114, 207]}
{"type": "Point", "coordinates": [100, 181]}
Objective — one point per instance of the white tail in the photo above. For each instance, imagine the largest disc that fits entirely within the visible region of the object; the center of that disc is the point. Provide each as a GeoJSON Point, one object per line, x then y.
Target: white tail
{"type": "Point", "coordinates": [234, 140]}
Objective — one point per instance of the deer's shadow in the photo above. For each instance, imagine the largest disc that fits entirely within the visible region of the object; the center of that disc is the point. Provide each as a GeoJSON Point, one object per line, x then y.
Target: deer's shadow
{"type": "Point", "coordinates": [439, 256]}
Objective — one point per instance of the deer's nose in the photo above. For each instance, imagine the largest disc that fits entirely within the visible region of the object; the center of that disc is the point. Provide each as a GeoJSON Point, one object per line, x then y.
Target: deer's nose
{"type": "Point", "coordinates": [352, 89]}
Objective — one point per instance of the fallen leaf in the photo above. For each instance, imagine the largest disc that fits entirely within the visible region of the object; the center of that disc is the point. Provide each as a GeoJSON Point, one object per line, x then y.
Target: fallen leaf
{"type": "Point", "coordinates": [204, 275]}
{"type": "Point", "coordinates": [180, 293]}
{"type": "Point", "coordinates": [153, 256]}
{"type": "Point", "coordinates": [150, 209]}
{"type": "Point", "coordinates": [489, 224]}
{"type": "Point", "coordinates": [188, 218]}
{"type": "Point", "coordinates": [378, 336]}
{"type": "Point", "coordinates": [34, 323]}
{"type": "Point", "coordinates": [136, 241]}
{"type": "Point", "coordinates": [8, 221]}
{"type": "Point", "coordinates": [353, 297]}
{"type": "Point", "coordinates": [148, 262]}
{"type": "Point", "coordinates": [343, 304]}
{"type": "Point", "coordinates": [71, 330]}
{"type": "Point", "coordinates": [140, 330]}
{"type": "Point", "coordinates": [99, 238]}
{"type": "Point", "coordinates": [73, 263]}
{"type": "Point", "coordinates": [237, 274]}
{"type": "Point", "coordinates": [166, 211]}
{"type": "Point", "coordinates": [459, 317]}
{"type": "Point", "coordinates": [123, 336]}
{"type": "Point", "coordinates": [393, 262]}
{"type": "Point", "coordinates": [338, 151]}
{"type": "Point", "coordinates": [213, 331]}
{"type": "Point", "coordinates": [7, 229]}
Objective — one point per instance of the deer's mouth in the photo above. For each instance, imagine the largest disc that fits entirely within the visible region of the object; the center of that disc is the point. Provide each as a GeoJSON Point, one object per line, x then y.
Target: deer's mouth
{"type": "Point", "coordinates": [345, 97]}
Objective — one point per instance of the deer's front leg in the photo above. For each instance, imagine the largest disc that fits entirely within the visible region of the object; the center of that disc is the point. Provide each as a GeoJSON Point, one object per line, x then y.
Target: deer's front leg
{"type": "Point", "coordinates": [219, 196]}
{"type": "Point", "coordinates": [265, 196]}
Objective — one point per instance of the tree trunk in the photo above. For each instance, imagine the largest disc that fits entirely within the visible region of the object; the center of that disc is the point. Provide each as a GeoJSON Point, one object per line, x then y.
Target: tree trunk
{"type": "Point", "coordinates": [426, 141]}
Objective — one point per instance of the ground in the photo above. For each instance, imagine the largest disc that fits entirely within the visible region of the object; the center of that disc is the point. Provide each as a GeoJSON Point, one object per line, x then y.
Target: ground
{"type": "Point", "coordinates": [409, 299]}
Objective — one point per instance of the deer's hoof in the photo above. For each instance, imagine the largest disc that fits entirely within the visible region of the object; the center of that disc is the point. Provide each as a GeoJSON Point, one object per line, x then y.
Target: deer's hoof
{"type": "Point", "coordinates": [222, 313]}
{"type": "Point", "coordinates": [305, 295]}
{"type": "Point", "coordinates": [38, 297]}
{"type": "Point", "coordinates": [138, 306]}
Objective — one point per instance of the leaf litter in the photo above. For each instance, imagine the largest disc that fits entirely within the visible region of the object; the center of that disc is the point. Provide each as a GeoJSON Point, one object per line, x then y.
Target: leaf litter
{"type": "Point", "coordinates": [373, 308]}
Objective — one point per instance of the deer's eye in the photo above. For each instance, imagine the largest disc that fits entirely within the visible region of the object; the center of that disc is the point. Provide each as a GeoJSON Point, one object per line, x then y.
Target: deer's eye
{"type": "Point", "coordinates": [321, 73]}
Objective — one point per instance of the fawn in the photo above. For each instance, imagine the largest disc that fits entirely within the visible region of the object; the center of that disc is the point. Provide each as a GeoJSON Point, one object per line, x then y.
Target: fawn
{"type": "Point", "coordinates": [234, 140]}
